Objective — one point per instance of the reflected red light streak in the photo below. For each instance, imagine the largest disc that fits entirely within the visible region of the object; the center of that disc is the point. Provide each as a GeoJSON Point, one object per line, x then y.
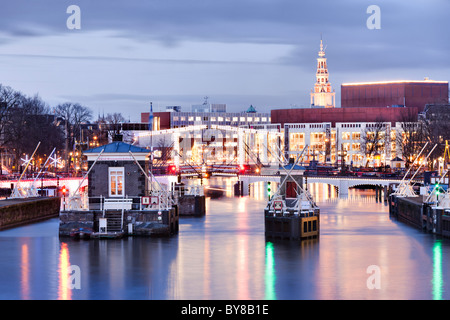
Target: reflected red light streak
{"type": "Point", "coordinates": [64, 292]}
{"type": "Point", "coordinates": [25, 272]}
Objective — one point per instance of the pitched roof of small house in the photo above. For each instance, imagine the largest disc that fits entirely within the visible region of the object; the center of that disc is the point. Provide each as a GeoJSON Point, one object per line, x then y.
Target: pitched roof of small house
{"type": "Point", "coordinates": [397, 159]}
{"type": "Point", "coordinates": [117, 147]}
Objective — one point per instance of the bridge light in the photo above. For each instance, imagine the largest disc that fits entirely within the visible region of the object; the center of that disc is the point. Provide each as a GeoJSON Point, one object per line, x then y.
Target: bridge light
{"type": "Point", "coordinates": [172, 169]}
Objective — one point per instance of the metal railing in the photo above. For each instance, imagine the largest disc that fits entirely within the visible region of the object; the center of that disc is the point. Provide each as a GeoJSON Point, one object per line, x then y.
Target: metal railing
{"type": "Point", "coordinates": [156, 200]}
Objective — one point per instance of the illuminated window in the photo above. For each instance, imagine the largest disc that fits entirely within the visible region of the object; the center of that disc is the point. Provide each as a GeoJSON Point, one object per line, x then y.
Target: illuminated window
{"type": "Point", "coordinates": [345, 135]}
{"type": "Point", "coordinates": [116, 178]}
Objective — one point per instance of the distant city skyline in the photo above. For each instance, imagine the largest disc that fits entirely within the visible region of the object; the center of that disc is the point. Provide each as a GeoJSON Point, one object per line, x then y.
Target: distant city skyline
{"type": "Point", "coordinates": [239, 53]}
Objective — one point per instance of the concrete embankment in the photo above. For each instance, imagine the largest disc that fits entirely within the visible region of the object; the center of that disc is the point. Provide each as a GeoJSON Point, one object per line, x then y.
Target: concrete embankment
{"type": "Point", "coordinates": [414, 211]}
{"type": "Point", "coordinates": [17, 212]}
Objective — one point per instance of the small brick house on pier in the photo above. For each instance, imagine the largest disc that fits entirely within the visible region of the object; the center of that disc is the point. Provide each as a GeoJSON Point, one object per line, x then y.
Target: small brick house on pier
{"type": "Point", "coordinates": [116, 175]}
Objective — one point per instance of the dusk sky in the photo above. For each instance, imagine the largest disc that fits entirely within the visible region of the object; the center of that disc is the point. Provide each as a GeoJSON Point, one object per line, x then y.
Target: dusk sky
{"type": "Point", "coordinates": [237, 52]}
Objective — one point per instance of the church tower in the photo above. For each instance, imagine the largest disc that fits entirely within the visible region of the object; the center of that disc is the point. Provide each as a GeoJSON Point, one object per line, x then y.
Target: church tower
{"type": "Point", "coordinates": [322, 95]}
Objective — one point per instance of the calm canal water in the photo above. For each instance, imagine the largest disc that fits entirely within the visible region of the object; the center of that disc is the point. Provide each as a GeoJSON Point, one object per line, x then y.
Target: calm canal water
{"type": "Point", "coordinates": [224, 255]}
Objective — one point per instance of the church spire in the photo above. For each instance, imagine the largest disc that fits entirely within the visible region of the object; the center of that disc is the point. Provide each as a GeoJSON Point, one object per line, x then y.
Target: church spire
{"type": "Point", "coordinates": [322, 95]}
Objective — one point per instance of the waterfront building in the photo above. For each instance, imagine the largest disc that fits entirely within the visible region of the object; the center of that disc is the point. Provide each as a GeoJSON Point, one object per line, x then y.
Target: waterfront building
{"type": "Point", "coordinates": [391, 101]}
{"type": "Point", "coordinates": [115, 174]}
{"type": "Point", "coordinates": [344, 142]}
{"type": "Point", "coordinates": [369, 128]}
{"type": "Point", "coordinates": [168, 120]}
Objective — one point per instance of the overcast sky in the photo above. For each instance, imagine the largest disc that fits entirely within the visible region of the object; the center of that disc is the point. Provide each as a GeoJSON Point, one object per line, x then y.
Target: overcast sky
{"type": "Point", "coordinates": [239, 52]}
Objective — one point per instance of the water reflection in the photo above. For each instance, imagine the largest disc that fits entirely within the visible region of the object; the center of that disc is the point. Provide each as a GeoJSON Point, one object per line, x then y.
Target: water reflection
{"type": "Point", "coordinates": [25, 272]}
{"type": "Point", "coordinates": [437, 271]}
{"type": "Point", "coordinates": [64, 291]}
{"type": "Point", "coordinates": [270, 277]}
{"type": "Point", "coordinates": [224, 255]}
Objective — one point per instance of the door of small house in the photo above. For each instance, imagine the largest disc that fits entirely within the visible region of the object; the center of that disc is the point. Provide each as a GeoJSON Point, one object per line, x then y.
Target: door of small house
{"type": "Point", "coordinates": [291, 188]}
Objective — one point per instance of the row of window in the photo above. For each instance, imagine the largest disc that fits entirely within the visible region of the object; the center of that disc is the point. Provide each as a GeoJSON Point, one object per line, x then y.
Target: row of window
{"type": "Point", "coordinates": [221, 119]}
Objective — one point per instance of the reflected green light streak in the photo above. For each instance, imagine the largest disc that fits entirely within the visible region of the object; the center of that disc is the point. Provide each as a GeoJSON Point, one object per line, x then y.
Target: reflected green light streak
{"type": "Point", "coordinates": [437, 281]}
{"type": "Point", "coordinates": [270, 276]}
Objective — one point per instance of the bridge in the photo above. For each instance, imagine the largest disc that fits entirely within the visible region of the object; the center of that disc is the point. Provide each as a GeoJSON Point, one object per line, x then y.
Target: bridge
{"type": "Point", "coordinates": [211, 144]}
{"type": "Point", "coordinates": [343, 183]}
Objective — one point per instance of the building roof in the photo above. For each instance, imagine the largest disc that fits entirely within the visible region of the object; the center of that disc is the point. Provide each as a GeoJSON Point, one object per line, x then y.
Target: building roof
{"type": "Point", "coordinates": [117, 147]}
{"type": "Point", "coordinates": [426, 81]}
{"type": "Point", "coordinates": [251, 109]}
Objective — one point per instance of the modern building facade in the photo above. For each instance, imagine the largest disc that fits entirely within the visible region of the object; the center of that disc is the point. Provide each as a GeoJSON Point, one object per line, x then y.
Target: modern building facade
{"type": "Point", "coordinates": [405, 93]}
{"type": "Point", "coordinates": [346, 142]}
{"type": "Point", "coordinates": [170, 119]}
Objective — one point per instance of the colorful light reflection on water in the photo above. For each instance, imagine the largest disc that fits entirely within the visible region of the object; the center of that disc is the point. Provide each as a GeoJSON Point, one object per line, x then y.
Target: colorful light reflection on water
{"type": "Point", "coordinates": [224, 255]}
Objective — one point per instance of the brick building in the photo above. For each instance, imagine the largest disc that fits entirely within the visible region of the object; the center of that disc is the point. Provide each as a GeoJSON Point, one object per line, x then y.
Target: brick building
{"type": "Point", "coordinates": [115, 174]}
{"type": "Point", "coordinates": [409, 94]}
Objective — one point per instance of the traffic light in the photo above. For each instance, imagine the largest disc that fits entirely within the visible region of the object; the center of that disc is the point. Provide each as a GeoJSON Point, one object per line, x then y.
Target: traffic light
{"type": "Point", "coordinates": [437, 189]}
{"type": "Point", "coordinates": [269, 190]}
{"type": "Point", "coordinates": [64, 190]}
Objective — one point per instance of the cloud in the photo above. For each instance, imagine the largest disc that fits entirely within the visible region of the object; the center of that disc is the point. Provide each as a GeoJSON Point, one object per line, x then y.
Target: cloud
{"type": "Point", "coordinates": [264, 50]}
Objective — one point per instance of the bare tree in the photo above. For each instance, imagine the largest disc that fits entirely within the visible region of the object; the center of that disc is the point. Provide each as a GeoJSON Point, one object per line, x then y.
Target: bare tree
{"type": "Point", "coordinates": [373, 139]}
{"type": "Point", "coordinates": [114, 122]}
{"type": "Point", "coordinates": [436, 123]}
{"type": "Point", "coordinates": [8, 99]}
{"type": "Point", "coordinates": [30, 122]}
{"type": "Point", "coordinates": [411, 139]}
{"type": "Point", "coordinates": [72, 115]}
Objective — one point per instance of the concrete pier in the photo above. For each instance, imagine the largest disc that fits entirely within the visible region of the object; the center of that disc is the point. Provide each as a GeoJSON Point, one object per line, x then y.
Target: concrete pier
{"type": "Point", "coordinates": [17, 212]}
{"type": "Point", "coordinates": [190, 205]}
{"type": "Point", "coordinates": [128, 223]}
{"type": "Point", "coordinates": [414, 211]}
